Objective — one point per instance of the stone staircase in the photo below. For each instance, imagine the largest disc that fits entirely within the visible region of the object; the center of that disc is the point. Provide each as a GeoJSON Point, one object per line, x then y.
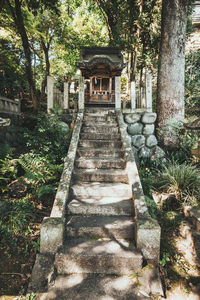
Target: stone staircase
{"type": "Point", "coordinates": [100, 214]}
{"type": "Point", "coordinates": [98, 258]}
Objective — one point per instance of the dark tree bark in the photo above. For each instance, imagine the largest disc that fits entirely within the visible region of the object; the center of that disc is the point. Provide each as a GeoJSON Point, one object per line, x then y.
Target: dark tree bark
{"type": "Point", "coordinates": [170, 97]}
{"type": "Point", "coordinates": [45, 48]}
{"type": "Point", "coordinates": [19, 22]}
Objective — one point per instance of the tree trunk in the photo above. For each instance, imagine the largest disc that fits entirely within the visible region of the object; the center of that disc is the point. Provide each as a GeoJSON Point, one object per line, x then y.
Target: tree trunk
{"type": "Point", "coordinates": [19, 22]}
{"type": "Point", "coordinates": [170, 96]}
{"type": "Point", "coordinates": [47, 65]}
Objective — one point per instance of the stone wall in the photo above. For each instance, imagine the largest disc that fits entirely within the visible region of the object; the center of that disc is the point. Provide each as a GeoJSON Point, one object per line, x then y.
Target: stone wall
{"type": "Point", "coordinates": [141, 129]}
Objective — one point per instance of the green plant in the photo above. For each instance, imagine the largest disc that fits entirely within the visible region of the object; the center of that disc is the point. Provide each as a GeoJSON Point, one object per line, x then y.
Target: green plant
{"type": "Point", "coordinates": [165, 259]}
{"type": "Point", "coordinates": [182, 180]}
{"type": "Point", "coordinates": [8, 172]}
{"type": "Point", "coordinates": [44, 191]}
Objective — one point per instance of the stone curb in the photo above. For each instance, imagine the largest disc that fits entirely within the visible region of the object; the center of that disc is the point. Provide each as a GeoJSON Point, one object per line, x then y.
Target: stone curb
{"type": "Point", "coordinates": [147, 230]}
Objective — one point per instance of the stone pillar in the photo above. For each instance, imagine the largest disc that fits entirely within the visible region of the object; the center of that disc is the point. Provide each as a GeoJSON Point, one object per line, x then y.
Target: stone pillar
{"type": "Point", "coordinates": [81, 93]}
{"type": "Point", "coordinates": [133, 96]}
{"type": "Point", "coordinates": [66, 95]}
{"type": "Point", "coordinates": [149, 90]}
{"type": "Point", "coordinates": [118, 92]}
{"type": "Point", "coordinates": [50, 84]}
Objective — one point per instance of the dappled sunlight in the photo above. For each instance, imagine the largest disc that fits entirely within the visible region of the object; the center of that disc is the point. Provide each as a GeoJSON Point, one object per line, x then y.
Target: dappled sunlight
{"type": "Point", "coordinates": [121, 283]}
{"type": "Point", "coordinates": [69, 281]}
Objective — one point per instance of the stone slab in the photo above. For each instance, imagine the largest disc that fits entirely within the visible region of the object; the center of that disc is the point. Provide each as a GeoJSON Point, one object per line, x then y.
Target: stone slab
{"type": "Point", "coordinates": [101, 129]}
{"type": "Point", "coordinates": [100, 175]}
{"type": "Point", "coordinates": [51, 235]}
{"type": "Point", "coordinates": [132, 118]}
{"type": "Point", "coordinates": [98, 256]}
{"type": "Point", "coordinates": [100, 143]}
{"type": "Point", "coordinates": [94, 287]}
{"type": "Point", "coordinates": [99, 136]}
{"type": "Point", "coordinates": [98, 190]}
{"type": "Point", "coordinates": [104, 206]}
{"type": "Point", "coordinates": [149, 118]}
{"type": "Point", "coordinates": [98, 163]}
{"type": "Point", "coordinates": [118, 227]}
{"type": "Point", "coordinates": [135, 129]}
{"type": "Point", "coordinates": [101, 152]}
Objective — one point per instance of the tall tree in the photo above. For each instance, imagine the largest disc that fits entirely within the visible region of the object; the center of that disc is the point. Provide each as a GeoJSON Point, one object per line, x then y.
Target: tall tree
{"type": "Point", "coordinates": [170, 96]}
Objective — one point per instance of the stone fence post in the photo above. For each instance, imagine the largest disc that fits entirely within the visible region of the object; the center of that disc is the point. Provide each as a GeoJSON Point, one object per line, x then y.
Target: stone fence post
{"type": "Point", "coordinates": [133, 96]}
{"type": "Point", "coordinates": [81, 93]}
{"type": "Point", "coordinates": [66, 95]}
{"type": "Point", "coordinates": [50, 85]}
{"type": "Point", "coordinates": [118, 92]}
{"type": "Point", "coordinates": [148, 90]}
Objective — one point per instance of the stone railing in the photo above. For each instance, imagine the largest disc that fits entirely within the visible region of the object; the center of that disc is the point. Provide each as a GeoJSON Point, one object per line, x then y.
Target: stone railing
{"type": "Point", "coordinates": [9, 106]}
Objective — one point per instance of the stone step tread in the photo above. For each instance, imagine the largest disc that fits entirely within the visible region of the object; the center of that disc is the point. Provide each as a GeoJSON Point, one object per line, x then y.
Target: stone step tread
{"type": "Point", "coordinates": [100, 175]}
{"type": "Point", "coordinates": [101, 206]}
{"type": "Point", "coordinates": [98, 256]}
{"type": "Point", "coordinates": [100, 144]}
{"type": "Point", "coordinates": [101, 191]}
{"type": "Point", "coordinates": [119, 222]}
{"type": "Point", "coordinates": [101, 287]}
{"type": "Point", "coordinates": [103, 149]}
{"type": "Point", "coordinates": [99, 136]}
{"type": "Point", "coordinates": [100, 160]}
{"type": "Point", "coordinates": [100, 129]}
{"type": "Point", "coordinates": [117, 227]}
{"type": "Point", "coordinates": [99, 163]}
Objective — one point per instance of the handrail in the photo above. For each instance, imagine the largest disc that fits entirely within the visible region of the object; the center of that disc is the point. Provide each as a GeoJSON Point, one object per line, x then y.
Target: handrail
{"type": "Point", "coordinates": [9, 106]}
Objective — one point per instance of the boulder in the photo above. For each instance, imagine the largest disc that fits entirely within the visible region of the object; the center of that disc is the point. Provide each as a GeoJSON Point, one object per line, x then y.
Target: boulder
{"type": "Point", "coordinates": [151, 141]}
{"type": "Point", "coordinates": [148, 129]}
{"type": "Point", "coordinates": [145, 152]}
{"type": "Point", "coordinates": [149, 118]}
{"type": "Point", "coordinates": [132, 118]}
{"type": "Point", "coordinates": [158, 153]}
{"type": "Point", "coordinates": [64, 127]}
{"type": "Point", "coordinates": [135, 129]}
{"type": "Point", "coordinates": [138, 141]}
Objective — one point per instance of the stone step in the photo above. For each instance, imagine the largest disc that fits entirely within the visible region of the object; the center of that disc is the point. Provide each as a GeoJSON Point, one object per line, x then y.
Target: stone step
{"type": "Point", "coordinates": [100, 129]}
{"type": "Point", "coordinates": [99, 136]}
{"type": "Point", "coordinates": [98, 163]}
{"type": "Point", "coordinates": [94, 227]}
{"type": "Point", "coordinates": [100, 144]}
{"type": "Point", "coordinates": [101, 206]}
{"type": "Point", "coordinates": [95, 118]}
{"type": "Point", "coordinates": [100, 123]}
{"type": "Point", "coordinates": [95, 287]}
{"type": "Point", "coordinates": [100, 175]}
{"type": "Point", "coordinates": [100, 153]}
{"type": "Point", "coordinates": [98, 256]}
{"type": "Point", "coordinates": [101, 192]}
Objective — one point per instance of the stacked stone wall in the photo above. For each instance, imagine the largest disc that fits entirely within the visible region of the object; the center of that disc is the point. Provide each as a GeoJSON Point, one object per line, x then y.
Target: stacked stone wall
{"type": "Point", "coordinates": [141, 129]}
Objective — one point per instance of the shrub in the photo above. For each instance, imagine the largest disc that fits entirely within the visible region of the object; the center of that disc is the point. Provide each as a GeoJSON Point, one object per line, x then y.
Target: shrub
{"type": "Point", "coordinates": [182, 180]}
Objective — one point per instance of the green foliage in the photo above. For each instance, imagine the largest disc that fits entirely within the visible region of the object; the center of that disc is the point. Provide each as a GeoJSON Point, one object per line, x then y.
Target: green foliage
{"type": "Point", "coordinates": [165, 259]}
{"type": "Point", "coordinates": [8, 172]}
{"type": "Point", "coordinates": [152, 208]}
{"type": "Point", "coordinates": [14, 224]}
{"type": "Point", "coordinates": [192, 83]}
{"type": "Point", "coordinates": [44, 191]}
{"type": "Point", "coordinates": [182, 180]}
{"type": "Point", "coordinates": [48, 139]}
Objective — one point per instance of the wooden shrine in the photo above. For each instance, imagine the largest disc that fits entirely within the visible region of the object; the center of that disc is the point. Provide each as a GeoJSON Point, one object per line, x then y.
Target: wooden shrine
{"type": "Point", "coordinates": [99, 66]}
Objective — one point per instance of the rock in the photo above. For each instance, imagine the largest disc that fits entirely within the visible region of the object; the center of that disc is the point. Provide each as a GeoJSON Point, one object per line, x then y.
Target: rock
{"type": "Point", "coordinates": [138, 141]}
{"type": "Point", "coordinates": [134, 129]}
{"type": "Point", "coordinates": [132, 118]}
{"type": "Point", "coordinates": [64, 127]}
{"type": "Point", "coordinates": [135, 151]}
{"type": "Point", "coordinates": [148, 129]}
{"type": "Point", "coordinates": [149, 118]}
{"type": "Point", "coordinates": [158, 153]}
{"type": "Point", "coordinates": [144, 152]}
{"type": "Point", "coordinates": [151, 141]}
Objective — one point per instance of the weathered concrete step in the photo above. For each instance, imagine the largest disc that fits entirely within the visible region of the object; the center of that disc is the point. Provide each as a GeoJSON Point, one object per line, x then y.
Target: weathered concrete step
{"type": "Point", "coordinates": [99, 136]}
{"type": "Point", "coordinates": [100, 153]}
{"type": "Point", "coordinates": [95, 287]}
{"type": "Point", "coordinates": [100, 129]}
{"type": "Point", "coordinates": [117, 227]}
{"type": "Point", "coordinates": [101, 192]}
{"type": "Point", "coordinates": [98, 256]}
{"type": "Point", "coordinates": [96, 118]}
{"type": "Point", "coordinates": [91, 122]}
{"type": "Point", "coordinates": [100, 175]}
{"type": "Point", "coordinates": [101, 206]}
{"type": "Point", "coordinates": [100, 144]}
{"type": "Point", "coordinates": [97, 163]}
